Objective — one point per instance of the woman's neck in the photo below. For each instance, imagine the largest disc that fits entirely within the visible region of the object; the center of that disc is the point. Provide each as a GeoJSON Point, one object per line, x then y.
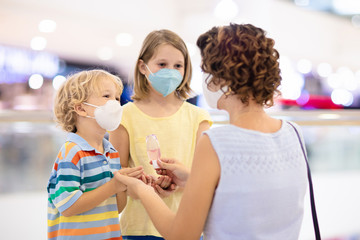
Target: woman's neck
{"type": "Point", "coordinates": [251, 116]}
{"type": "Point", "coordinates": [239, 115]}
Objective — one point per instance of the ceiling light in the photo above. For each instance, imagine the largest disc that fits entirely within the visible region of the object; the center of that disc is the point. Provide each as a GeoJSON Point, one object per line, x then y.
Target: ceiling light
{"type": "Point", "coordinates": [36, 81]}
{"type": "Point", "coordinates": [38, 43]}
{"type": "Point", "coordinates": [58, 81]}
{"type": "Point", "coordinates": [105, 53]}
{"type": "Point", "coordinates": [334, 81]}
{"type": "Point", "coordinates": [47, 26]}
{"type": "Point", "coordinates": [124, 39]}
{"type": "Point", "coordinates": [348, 79]}
{"type": "Point", "coordinates": [342, 96]}
{"type": "Point", "coordinates": [324, 70]}
{"type": "Point", "coordinates": [304, 66]}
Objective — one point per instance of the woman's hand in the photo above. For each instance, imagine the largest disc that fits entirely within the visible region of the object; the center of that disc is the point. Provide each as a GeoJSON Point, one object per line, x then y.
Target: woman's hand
{"type": "Point", "coordinates": [175, 170]}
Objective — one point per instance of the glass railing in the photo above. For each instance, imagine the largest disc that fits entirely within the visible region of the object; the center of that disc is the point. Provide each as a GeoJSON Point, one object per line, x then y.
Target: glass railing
{"type": "Point", "coordinates": [30, 141]}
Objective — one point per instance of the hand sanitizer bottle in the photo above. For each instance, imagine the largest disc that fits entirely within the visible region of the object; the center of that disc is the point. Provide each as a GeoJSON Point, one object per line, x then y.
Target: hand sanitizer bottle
{"type": "Point", "coordinates": [153, 150]}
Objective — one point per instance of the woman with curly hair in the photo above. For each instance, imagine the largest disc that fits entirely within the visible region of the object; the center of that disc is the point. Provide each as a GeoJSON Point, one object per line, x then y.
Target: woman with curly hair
{"type": "Point", "coordinates": [248, 179]}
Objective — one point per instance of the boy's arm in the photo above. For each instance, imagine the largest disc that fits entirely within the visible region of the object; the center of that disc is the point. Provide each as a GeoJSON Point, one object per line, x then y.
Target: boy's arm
{"type": "Point", "coordinates": [90, 200]}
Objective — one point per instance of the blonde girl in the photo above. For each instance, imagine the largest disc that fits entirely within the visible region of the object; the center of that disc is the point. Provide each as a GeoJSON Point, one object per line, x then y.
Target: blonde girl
{"type": "Point", "coordinates": [161, 87]}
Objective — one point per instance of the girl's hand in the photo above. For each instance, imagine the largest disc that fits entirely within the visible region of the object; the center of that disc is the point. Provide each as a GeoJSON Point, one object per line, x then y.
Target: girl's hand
{"type": "Point", "coordinates": [163, 181]}
{"type": "Point", "coordinates": [147, 179]}
{"type": "Point", "coordinates": [163, 193]}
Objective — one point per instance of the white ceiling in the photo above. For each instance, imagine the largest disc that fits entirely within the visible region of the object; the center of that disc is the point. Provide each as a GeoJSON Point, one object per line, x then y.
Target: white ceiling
{"type": "Point", "coordinates": [84, 26]}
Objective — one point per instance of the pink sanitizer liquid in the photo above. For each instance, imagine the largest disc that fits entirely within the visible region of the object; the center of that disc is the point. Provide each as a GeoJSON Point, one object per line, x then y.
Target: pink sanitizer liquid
{"type": "Point", "coordinates": [153, 150]}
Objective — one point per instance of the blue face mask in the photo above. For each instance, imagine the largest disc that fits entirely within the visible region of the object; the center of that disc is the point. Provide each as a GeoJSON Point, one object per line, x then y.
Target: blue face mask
{"type": "Point", "coordinates": [165, 81]}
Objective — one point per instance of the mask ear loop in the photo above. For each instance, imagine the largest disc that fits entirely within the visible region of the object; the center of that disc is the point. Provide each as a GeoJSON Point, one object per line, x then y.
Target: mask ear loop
{"type": "Point", "coordinates": [89, 104]}
{"type": "Point", "coordinates": [148, 68]}
{"type": "Point", "coordinates": [92, 105]}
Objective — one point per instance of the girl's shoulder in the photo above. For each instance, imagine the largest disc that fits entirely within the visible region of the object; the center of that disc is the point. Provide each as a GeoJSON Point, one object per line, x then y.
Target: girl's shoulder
{"type": "Point", "coordinates": [193, 108]}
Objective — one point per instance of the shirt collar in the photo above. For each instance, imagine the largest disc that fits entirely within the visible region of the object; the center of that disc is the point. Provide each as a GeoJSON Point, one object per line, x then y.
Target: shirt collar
{"type": "Point", "coordinates": [73, 137]}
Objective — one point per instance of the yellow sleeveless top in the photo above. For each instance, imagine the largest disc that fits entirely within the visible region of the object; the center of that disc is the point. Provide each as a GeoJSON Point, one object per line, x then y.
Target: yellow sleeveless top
{"type": "Point", "coordinates": [177, 138]}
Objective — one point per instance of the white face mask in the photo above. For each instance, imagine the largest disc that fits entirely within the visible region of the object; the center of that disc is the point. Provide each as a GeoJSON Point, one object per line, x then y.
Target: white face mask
{"type": "Point", "coordinates": [108, 116]}
{"type": "Point", "coordinates": [211, 97]}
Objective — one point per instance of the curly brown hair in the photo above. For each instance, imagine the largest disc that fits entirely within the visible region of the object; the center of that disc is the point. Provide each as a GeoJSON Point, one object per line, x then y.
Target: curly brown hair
{"type": "Point", "coordinates": [242, 57]}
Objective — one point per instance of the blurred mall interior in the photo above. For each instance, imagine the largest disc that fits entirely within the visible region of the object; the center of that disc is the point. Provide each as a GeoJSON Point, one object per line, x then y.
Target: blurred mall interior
{"type": "Point", "coordinates": [41, 42]}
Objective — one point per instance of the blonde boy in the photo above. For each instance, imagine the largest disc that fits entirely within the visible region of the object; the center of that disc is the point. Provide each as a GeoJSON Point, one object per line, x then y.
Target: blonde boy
{"type": "Point", "coordinates": [83, 198]}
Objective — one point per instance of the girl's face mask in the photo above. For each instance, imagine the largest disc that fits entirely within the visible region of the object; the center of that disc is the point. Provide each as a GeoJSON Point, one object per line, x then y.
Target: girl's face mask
{"type": "Point", "coordinates": [165, 81]}
{"type": "Point", "coordinates": [211, 97]}
{"type": "Point", "coordinates": [108, 116]}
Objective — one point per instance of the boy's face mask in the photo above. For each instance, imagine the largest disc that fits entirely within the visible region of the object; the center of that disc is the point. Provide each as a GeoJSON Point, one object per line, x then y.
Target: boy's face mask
{"type": "Point", "coordinates": [165, 81]}
{"type": "Point", "coordinates": [108, 116]}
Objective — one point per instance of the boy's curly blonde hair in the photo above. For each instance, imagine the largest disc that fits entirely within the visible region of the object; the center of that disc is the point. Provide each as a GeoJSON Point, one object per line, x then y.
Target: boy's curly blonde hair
{"type": "Point", "coordinates": [77, 89]}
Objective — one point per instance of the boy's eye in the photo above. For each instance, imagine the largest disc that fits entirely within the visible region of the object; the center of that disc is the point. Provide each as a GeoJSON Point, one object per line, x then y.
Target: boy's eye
{"type": "Point", "coordinates": [106, 95]}
{"type": "Point", "coordinates": [117, 99]}
{"type": "Point", "coordinates": [162, 64]}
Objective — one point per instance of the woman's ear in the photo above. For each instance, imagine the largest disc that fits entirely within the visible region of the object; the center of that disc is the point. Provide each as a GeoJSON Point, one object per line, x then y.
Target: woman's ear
{"type": "Point", "coordinates": [79, 109]}
{"type": "Point", "coordinates": [142, 67]}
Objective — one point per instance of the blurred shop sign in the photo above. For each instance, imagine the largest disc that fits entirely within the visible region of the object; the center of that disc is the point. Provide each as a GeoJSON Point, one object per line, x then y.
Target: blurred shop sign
{"type": "Point", "coordinates": [17, 62]}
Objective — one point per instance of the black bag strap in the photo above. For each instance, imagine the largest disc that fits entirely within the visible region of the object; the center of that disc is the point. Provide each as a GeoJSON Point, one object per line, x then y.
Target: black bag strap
{"type": "Point", "coordinates": [312, 199]}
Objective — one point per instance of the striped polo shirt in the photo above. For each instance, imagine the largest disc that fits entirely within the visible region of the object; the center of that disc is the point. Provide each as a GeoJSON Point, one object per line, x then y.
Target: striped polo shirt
{"type": "Point", "coordinates": [80, 168]}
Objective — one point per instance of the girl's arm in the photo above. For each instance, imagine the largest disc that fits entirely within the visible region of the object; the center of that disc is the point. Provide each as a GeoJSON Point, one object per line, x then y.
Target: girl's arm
{"type": "Point", "coordinates": [119, 138]}
{"type": "Point", "coordinates": [121, 199]}
{"type": "Point", "coordinates": [189, 221]}
{"type": "Point", "coordinates": [203, 126]}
